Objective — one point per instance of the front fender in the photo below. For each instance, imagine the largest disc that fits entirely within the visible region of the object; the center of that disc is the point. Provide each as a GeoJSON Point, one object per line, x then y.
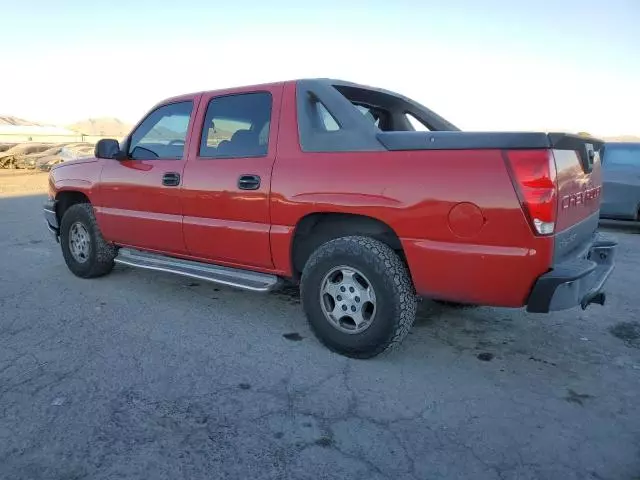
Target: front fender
{"type": "Point", "coordinates": [76, 176]}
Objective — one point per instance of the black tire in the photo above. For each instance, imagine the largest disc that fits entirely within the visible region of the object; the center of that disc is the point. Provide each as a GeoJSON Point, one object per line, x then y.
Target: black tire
{"type": "Point", "coordinates": [396, 300]}
{"type": "Point", "coordinates": [99, 261]}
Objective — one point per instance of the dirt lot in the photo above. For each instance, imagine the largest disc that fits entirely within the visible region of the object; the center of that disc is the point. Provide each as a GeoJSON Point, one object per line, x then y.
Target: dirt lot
{"type": "Point", "coordinates": [21, 183]}
{"type": "Point", "coordinates": [146, 376]}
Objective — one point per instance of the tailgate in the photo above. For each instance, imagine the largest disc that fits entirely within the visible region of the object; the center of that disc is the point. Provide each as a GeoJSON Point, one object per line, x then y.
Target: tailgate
{"type": "Point", "coordinates": [579, 177]}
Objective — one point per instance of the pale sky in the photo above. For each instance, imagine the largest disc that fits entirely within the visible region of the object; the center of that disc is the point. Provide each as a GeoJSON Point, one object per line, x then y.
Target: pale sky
{"type": "Point", "coordinates": [564, 65]}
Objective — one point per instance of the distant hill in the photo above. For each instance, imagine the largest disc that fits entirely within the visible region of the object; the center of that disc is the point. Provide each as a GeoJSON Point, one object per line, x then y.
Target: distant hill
{"type": "Point", "coordinates": [105, 126]}
{"type": "Point", "coordinates": [161, 133]}
{"type": "Point", "coordinates": [623, 138]}
{"type": "Point", "coordinates": [9, 120]}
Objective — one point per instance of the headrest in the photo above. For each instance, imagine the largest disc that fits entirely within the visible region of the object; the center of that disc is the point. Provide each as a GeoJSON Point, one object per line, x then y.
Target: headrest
{"type": "Point", "coordinates": [243, 135]}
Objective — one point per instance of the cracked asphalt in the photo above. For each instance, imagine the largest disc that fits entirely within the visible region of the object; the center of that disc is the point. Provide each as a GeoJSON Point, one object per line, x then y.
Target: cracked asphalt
{"type": "Point", "coordinates": [140, 375]}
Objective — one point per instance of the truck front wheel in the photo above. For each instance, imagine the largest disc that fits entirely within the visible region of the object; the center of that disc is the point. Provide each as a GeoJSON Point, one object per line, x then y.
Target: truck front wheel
{"type": "Point", "coordinates": [85, 252]}
{"type": "Point", "coordinates": [358, 296]}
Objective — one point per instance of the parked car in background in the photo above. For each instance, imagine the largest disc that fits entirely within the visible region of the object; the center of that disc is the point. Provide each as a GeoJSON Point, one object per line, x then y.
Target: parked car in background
{"type": "Point", "coordinates": [29, 156]}
{"type": "Point", "coordinates": [621, 181]}
{"type": "Point", "coordinates": [10, 157]}
{"type": "Point", "coordinates": [66, 153]}
{"type": "Point", "coordinates": [45, 164]}
{"type": "Point", "coordinates": [32, 160]}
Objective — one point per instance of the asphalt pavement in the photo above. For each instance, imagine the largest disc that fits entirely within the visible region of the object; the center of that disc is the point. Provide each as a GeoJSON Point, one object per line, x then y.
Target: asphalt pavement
{"type": "Point", "coordinates": [141, 375]}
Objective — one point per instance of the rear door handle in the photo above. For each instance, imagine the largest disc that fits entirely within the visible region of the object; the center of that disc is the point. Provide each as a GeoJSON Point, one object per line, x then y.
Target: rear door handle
{"type": "Point", "coordinates": [249, 182]}
{"type": "Point", "coordinates": [171, 179]}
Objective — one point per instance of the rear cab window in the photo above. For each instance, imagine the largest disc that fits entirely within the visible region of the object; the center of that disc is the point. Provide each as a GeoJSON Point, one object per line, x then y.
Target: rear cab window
{"type": "Point", "coordinates": [417, 125]}
{"type": "Point", "coordinates": [236, 126]}
{"type": "Point", "coordinates": [324, 119]}
{"type": "Point", "coordinates": [386, 112]}
{"type": "Point", "coordinates": [336, 116]}
{"type": "Point", "coordinates": [385, 116]}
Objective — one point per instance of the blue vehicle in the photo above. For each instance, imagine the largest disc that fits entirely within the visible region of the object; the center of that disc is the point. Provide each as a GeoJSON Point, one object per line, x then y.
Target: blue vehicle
{"type": "Point", "coordinates": [621, 182]}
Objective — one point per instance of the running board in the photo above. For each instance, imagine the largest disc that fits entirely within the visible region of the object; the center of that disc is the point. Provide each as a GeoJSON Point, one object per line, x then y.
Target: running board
{"type": "Point", "coordinates": [231, 277]}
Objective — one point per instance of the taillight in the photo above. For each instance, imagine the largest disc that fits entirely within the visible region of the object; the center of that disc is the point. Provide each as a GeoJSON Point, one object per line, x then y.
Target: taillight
{"type": "Point", "coordinates": [534, 175]}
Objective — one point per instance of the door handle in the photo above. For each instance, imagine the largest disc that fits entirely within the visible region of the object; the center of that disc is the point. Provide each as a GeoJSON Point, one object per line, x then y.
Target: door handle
{"type": "Point", "coordinates": [171, 179]}
{"type": "Point", "coordinates": [249, 182]}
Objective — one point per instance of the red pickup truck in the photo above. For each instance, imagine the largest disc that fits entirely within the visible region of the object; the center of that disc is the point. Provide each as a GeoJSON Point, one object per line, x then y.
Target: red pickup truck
{"type": "Point", "coordinates": [365, 198]}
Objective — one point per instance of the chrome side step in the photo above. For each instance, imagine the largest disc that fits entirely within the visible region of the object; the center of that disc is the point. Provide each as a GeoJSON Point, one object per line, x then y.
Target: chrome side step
{"type": "Point", "coordinates": [232, 277]}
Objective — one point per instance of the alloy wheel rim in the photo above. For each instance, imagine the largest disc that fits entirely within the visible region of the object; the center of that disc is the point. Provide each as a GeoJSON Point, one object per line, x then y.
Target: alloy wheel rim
{"type": "Point", "coordinates": [348, 300]}
{"type": "Point", "coordinates": [79, 242]}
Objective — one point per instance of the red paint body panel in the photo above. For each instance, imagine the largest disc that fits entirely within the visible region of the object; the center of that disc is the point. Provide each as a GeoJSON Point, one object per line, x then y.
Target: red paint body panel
{"type": "Point", "coordinates": [476, 274]}
{"type": "Point", "coordinates": [456, 212]}
{"type": "Point", "coordinates": [222, 222]}
{"type": "Point", "coordinates": [134, 207]}
{"type": "Point", "coordinates": [413, 192]}
{"type": "Point", "coordinates": [75, 176]}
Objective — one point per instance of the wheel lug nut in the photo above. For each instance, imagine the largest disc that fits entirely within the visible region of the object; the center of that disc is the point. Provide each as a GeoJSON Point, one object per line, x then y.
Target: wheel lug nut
{"type": "Point", "coordinates": [357, 299]}
{"type": "Point", "coordinates": [339, 297]}
{"type": "Point", "coordinates": [342, 289]}
{"type": "Point", "coordinates": [351, 289]}
{"type": "Point", "coordinates": [344, 307]}
{"type": "Point", "coordinates": [353, 309]}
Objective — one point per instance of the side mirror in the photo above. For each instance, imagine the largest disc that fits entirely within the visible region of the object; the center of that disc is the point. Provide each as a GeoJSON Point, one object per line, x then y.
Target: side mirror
{"type": "Point", "coordinates": [107, 148]}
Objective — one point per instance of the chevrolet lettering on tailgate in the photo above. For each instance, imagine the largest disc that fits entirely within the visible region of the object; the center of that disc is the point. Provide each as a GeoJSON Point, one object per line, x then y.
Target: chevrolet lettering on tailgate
{"type": "Point", "coordinates": [580, 198]}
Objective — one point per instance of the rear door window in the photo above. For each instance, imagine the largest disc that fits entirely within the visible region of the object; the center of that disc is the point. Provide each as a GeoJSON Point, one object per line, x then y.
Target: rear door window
{"type": "Point", "coordinates": [237, 126]}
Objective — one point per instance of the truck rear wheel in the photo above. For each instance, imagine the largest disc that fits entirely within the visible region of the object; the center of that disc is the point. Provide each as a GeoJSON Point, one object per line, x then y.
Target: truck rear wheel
{"type": "Point", "coordinates": [358, 296]}
{"type": "Point", "coordinates": [85, 251]}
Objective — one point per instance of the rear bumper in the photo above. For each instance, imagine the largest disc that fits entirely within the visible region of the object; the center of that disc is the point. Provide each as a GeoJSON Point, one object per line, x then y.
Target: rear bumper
{"type": "Point", "coordinates": [576, 282]}
{"type": "Point", "coordinates": [51, 218]}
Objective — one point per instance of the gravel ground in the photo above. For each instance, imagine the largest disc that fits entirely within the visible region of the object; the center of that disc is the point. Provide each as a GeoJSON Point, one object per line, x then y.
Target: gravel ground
{"type": "Point", "coordinates": [140, 375]}
{"type": "Point", "coordinates": [19, 183]}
